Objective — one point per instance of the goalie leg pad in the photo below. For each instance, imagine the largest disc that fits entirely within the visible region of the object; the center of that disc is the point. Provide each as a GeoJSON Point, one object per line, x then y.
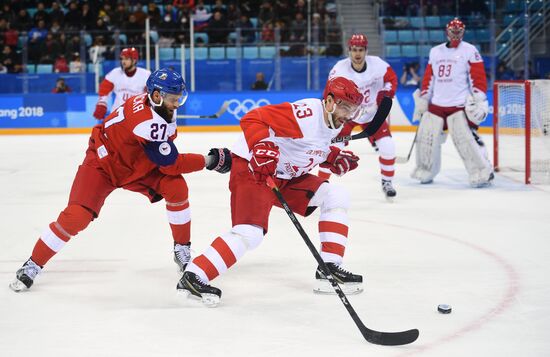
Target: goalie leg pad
{"type": "Point", "coordinates": [428, 147]}
{"type": "Point", "coordinates": [471, 149]}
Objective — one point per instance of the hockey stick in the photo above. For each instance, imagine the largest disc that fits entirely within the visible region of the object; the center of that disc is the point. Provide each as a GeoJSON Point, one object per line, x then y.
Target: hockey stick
{"type": "Point", "coordinates": [216, 115]}
{"type": "Point", "coordinates": [402, 159]}
{"type": "Point", "coordinates": [372, 336]}
{"type": "Point", "coordinates": [375, 124]}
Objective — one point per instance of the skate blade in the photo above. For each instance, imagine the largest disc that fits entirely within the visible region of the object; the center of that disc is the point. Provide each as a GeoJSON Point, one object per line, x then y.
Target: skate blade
{"type": "Point", "coordinates": [323, 287]}
{"type": "Point", "coordinates": [208, 300]}
{"type": "Point", "coordinates": [18, 286]}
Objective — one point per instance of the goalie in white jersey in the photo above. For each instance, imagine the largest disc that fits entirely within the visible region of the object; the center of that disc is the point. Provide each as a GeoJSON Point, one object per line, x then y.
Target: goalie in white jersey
{"type": "Point", "coordinates": [125, 81]}
{"type": "Point", "coordinates": [285, 142]}
{"type": "Point", "coordinates": [375, 79]}
{"type": "Point", "coordinates": [452, 98]}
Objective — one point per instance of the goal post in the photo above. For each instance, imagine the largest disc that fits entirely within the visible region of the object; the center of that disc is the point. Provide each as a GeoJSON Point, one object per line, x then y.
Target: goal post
{"type": "Point", "coordinates": [521, 129]}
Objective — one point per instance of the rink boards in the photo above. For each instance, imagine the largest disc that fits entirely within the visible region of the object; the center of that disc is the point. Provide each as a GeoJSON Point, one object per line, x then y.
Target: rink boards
{"type": "Point", "coordinates": [72, 113]}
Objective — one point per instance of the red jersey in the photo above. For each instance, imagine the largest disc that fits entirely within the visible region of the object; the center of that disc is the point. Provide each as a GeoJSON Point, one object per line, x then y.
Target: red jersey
{"type": "Point", "coordinates": [121, 139]}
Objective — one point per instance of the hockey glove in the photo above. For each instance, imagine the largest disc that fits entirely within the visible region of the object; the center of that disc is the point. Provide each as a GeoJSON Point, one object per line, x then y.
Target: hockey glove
{"type": "Point", "coordinates": [420, 105]}
{"type": "Point", "coordinates": [219, 160]}
{"type": "Point", "coordinates": [100, 111]}
{"type": "Point", "coordinates": [477, 108]}
{"type": "Point", "coordinates": [265, 156]}
{"type": "Point", "coordinates": [381, 95]}
{"type": "Point", "coordinates": [340, 162]}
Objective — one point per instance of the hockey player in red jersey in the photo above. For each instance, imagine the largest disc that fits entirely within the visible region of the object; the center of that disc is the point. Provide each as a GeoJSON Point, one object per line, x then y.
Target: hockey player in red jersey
{"type": "Point", "coordinates": [452, 98]}
{"type": "Point", "coordinates": [375, 79]}
{"type": "Point", "coordinates": [132, 149]}
{"type": "Point", "coordinates": [124, 81]}
{"type": "Point", "coordinates": [285, 141]}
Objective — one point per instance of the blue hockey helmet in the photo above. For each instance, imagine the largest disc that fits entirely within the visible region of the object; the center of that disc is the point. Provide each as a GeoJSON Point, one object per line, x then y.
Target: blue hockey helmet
{"type": "Point", "coordinates": [169, 84]}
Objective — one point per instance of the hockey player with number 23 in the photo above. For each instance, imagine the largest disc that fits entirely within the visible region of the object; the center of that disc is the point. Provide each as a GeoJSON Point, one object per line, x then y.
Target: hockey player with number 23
{"type": "Point", "coordinates": [453, 97]}
{"type": "Point", "coordinates": [132, 149]}
{"type": "Point", "coordinates": [285, 142]}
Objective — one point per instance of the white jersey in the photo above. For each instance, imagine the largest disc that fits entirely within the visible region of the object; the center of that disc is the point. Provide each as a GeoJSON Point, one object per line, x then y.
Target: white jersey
{"type": "Point", "coordinates": [377, 76]}
{"type": "Point", "coordinates": [123, 86]}
{"type": "Point", "coordinates": [452, 74]}
{"type": "Point", "coordinates": [298, 129]}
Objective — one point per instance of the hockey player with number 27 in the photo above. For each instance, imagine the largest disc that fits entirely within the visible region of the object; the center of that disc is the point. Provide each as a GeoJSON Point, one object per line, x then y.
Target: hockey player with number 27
{"type": "Point", "coordinates": [124, 81]}
{"type": "Point", "coordinates": [285, 141]}
{"type": "Point", "coordinates": [132, 149]}
{"type": "Point", "coordinates": [452, 97]}
{"type": "Point", "coordinates": [376, 80]}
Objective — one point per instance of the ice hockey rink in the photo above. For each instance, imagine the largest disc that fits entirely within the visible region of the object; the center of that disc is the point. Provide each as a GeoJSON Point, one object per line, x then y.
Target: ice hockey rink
{"type": "Point", "coordinates": [111, 290]}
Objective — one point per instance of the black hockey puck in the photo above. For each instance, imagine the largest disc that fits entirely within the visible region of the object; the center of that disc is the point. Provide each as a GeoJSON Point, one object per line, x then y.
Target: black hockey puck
{"type": "Point", "coordinates": [444, 309]}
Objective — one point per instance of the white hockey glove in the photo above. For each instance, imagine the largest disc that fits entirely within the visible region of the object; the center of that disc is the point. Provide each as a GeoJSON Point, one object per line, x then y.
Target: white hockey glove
{"type": "Point", "coordinates": [420, 105]}
{"type": "Point", "coordinates": [477, 107]}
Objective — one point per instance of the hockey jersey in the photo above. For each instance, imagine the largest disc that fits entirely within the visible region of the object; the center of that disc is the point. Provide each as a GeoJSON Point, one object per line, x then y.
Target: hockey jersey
{"type": "Point", "coordinates": [452, 73]}
{"type": "Point", "coordinates": [121, 139]}
{"type": "Point", "coordinates": [124, 87]}
{"type": "Point", "coordinates": [298, 129]}
{"type": "Point", "coordinates": [378, 76]}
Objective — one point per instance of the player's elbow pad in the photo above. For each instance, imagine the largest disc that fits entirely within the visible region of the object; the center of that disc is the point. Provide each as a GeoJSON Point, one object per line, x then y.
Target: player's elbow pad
{"type": "Point", "coordinates": [162, 153]}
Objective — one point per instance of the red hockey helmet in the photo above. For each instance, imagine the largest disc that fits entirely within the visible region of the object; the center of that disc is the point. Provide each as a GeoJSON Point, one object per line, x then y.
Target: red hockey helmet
{"type": "Point", "coordinates": [455, 31]}
{"type": "Point", "coordinates": [359, 40]}
{"type": "Point", "coordinates": [130, 52]}
{"type": "Point", "coordinates": [342, 89]}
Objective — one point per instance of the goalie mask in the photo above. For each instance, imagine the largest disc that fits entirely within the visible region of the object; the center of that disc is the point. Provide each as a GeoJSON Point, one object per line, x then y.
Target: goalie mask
{"type": "Point", "coordinates": [455, 32]}
{"type": "Point", "coordinates": [347, 100]}
{"type": "Point", "coordinates": [169, 84]}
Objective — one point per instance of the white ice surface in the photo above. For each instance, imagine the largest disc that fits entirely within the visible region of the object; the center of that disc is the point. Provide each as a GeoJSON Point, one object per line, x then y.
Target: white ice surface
{"type": "Point", "coordinates": [111, 290]}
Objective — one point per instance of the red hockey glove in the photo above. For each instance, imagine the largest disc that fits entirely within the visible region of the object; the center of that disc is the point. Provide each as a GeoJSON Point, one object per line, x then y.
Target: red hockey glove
{"type": "Point", "coordinates": [340, 162]}
{"type": "Point", "coordinates": [265, 156]}
{"type": "Point", "coordinates": [381, 95]}
{"type": "Point", "coordinates": [100, 111]}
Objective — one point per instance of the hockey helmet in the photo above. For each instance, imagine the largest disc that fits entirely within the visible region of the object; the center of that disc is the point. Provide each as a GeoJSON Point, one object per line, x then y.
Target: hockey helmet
{"type": "Point", "coordinates": [359, 40]}
{"type": "Point", "coordinates": [343, 90]}
{"type": "Point", "coordinates": [169, 84]}
{"type": "Point", "coordinates": [130, 52]}
{"type": "Point", "coordinates": [455, 31]}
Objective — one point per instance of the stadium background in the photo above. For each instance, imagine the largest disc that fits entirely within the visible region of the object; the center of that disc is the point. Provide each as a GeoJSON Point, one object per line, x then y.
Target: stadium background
{"type": "Point", "coordinates": [221, 46]}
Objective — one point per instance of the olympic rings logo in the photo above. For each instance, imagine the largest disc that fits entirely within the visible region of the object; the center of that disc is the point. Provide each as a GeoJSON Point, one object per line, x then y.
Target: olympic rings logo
{"type": "Point", "coordinates": [239, 108]}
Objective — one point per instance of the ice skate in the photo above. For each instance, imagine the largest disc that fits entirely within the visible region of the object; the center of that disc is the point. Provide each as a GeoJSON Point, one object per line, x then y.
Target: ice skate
{"type": "Point", "coordinates": [182, 255]}
{"type": "Point", "coordinates": [349, 283]}
{"type": "Point", "coordinates": [24, 277]}
{"type": "Point", "coordinates": [193, 287]}
{"type": "Point", "coordinates": [388, 190]}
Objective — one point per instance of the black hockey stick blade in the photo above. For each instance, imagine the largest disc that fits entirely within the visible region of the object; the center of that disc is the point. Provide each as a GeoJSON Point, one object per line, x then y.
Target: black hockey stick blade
{"type": "Point", "coordinates": [375, 124]}
{"type": "Point", "coordinates": [390, 338]}
{"type": "Point", "coordinates": [372, 336]}
{"type": "Point", "coordinates": [216, 115]}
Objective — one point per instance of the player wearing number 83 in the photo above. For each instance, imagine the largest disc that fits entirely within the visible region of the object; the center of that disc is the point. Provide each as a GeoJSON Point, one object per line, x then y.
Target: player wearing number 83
{"type": "Point", "coordinates": [132, 149]}
{"type": "Point", "coordinates": [285, 141]}
{"type": "Point", "coordinates": [452, 98]}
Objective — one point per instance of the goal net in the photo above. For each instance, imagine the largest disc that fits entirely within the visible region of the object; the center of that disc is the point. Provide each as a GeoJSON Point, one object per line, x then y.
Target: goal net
{"type": "Point", "coordinates": [521, 124]}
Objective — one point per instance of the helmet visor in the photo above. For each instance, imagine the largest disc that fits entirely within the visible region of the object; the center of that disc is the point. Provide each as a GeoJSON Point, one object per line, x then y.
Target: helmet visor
{"type": "Point", "coordinates": [347, 110]}
{"type": "Point", "coordinates": [174, 99]}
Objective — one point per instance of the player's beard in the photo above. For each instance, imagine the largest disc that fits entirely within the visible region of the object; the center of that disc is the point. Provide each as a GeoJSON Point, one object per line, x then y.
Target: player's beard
{"type": "Point", "coordinates": [165, 113]}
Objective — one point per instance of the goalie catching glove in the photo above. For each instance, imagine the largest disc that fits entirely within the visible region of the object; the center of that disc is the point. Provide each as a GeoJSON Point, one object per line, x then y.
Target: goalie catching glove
{"type": "Point", "coordinates": [263, 164]}
{"type": "Point", "coordinates": [477, 107]}
{"type": "Point", "coordinates": [218, 160]}
{"type": "Point", "coordinates": [340, 162]}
